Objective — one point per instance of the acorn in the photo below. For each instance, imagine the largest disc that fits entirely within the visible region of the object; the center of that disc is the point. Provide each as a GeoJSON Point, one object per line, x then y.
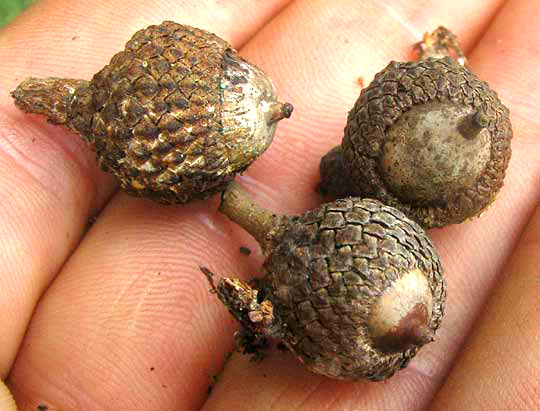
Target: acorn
{"type": "Point", "coordinates": [175, 115]}
{"type": "Point", "coordinates": [427, 137]}
{"type": "Point", "coordinates": [353, 289]}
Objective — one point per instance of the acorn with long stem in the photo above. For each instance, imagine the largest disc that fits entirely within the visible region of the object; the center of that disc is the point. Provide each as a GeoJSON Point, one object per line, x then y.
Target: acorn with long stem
{"type": "Point", "coordinates": [352, 289]}
{"type": "Point", "coordinates": [174, 116]}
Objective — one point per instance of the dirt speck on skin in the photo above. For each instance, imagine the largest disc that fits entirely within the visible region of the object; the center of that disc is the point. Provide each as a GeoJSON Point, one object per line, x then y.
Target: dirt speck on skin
{"type": "Point", "coordinates": [215, 379]}
{"type": "Point", "coordinates": [152, 368]}
{"type": "Point", "coordinates": [91, 220]}
{"type": "Point", "coordinates": [282, 347]}
{"type": "Point", "coordinates": [245, 250]}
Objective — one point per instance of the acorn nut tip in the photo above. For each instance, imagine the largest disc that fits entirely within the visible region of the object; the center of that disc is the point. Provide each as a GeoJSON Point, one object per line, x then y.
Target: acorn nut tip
{"type": "Point", "coordinates": [174, 116]}
{"type": "Point", "coordinates": [401, 316]}
{"type": "Point", "coordinates": [279, 111]}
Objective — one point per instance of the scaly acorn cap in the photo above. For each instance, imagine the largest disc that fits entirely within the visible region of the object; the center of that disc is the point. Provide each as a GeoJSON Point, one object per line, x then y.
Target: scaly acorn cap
{"type": "Point", "coordinates": [174, 116]}
{"type": "Point", "coordinates": [353, 289]}
{"type": "Point", "coordinates": [427, 137]}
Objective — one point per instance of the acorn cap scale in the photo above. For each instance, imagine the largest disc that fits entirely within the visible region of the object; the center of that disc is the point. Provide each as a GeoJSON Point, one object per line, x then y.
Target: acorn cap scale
{"type": "Point", "coordinates": [353, 289]}
{"type": "Point", "coordinates": [174, 116]}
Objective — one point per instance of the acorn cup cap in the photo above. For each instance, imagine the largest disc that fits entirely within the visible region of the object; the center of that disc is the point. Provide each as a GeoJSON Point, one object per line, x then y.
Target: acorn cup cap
{"type": "Point", "coordinates": [430, 139]}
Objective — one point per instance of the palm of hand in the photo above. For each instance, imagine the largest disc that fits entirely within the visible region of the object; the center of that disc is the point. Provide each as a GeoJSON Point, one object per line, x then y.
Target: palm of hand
{"type": "Point", "coordinates": [118, 316]}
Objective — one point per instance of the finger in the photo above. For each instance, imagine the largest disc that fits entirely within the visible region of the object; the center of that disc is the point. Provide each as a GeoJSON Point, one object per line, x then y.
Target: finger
{"type": "Point", "coordinates": [489, 240]}
{"type": "Point", "coordinates": [139, 329]}
{"type": "Point", "coordinates": [280, 382]}
{"type": "Point", "coordinates": [49, 183]}
{"type": "Point", "coordinates": [477, 251]}
{"type": "Point", "coordinates": [502, 350]}
{"type": "Point", "coordinates": [322, 91]}
{"type": "Point", "coordinates": [500, 366]}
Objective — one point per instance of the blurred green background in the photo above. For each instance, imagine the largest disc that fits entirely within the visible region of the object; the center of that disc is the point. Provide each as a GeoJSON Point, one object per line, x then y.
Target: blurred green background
{"type": "Point", "coordinates": [9, 9]}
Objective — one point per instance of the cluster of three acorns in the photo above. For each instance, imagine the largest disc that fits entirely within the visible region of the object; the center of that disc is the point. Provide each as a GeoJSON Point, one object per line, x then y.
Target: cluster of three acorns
{"type": "Point", "coordinates": [354, 288]}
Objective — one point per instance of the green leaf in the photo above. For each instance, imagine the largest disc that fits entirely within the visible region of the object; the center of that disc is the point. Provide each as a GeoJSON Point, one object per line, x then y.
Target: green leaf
{"type": "Point", "coordinates": [9, 9]}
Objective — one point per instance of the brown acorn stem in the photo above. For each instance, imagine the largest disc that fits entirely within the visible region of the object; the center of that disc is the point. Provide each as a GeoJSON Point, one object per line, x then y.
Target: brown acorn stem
{"type": "Point", "coordinates": [279, 111]}
{"type": "Point", "coordinates": [47, 96]}
{"type": "Point", "coordinates": [238, 206]}
{"type": "Point", "coordinates": [440, 43]}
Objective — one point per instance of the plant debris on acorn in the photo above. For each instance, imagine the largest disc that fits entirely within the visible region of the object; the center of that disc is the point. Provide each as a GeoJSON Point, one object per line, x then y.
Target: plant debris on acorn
{"type": "Point", "coordinates": [353, 289]}
{"type": "Point", "coordinates": [175, 116]}
{"type": "Point", "coordinates": [427, 137]}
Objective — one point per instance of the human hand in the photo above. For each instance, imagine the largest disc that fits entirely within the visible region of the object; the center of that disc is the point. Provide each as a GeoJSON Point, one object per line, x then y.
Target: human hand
{"type": "Point", "coordinates": [120, 317]}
